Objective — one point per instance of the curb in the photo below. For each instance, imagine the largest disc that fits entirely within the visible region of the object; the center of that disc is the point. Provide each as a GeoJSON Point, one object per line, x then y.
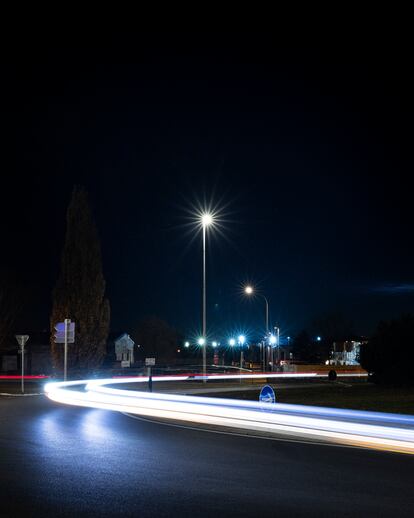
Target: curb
{"type": "Point", "coordinates": [20, 395]}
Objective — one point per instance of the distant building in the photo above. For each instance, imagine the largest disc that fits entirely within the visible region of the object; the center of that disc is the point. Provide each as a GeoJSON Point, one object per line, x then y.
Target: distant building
{"type": "Point", "coordinates": [124, 350]}
{"type": "Point", "coordinates": [346, 353]}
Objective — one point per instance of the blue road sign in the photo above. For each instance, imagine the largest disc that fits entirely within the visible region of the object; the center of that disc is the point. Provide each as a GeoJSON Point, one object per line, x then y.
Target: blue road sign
{"type": "Point", "coordinates": [267, 395]}
{"type": "Point", "coordinates": [59, 336]}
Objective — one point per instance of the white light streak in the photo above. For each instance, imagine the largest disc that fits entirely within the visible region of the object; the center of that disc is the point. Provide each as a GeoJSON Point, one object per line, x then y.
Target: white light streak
{"type": "Point", "coordinates": [391, 432]}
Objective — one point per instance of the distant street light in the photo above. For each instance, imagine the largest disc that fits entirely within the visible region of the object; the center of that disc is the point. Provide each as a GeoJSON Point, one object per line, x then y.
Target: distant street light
{"type": "Point", "coordinates": [187, 344]}
{"type": "Point", "coordinates": [201, 341]}
{"type": "Point", "coordinates": [214, 344]}
{"type": "Point", "coordinates": [206, 221]}
{"type": "Point", "coordinates": [249, 290]}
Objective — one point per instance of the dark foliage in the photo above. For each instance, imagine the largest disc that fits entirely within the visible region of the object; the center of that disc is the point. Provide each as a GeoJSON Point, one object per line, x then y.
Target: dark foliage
{"type": "Point", "coordinates": [389, 354]}
{"type": "Point", "coordinates": [11, 297]}
{"type": "Point", "coordinates": [156, 339]}
{"type": "Point", "coordinates": [302, 347]}
{"type": "Point", "coordinates": [79, 293]}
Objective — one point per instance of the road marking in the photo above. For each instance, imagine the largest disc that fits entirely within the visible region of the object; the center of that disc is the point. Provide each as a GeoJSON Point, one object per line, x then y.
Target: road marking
{"type": "Point", "coordinates": [250, 436]}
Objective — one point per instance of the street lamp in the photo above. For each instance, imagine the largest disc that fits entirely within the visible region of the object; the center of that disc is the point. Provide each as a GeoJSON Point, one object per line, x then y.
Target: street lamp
{"type": "Point", "coordinates": [249, 290]}
{"type": "Point", "coordinates": [206, 221]}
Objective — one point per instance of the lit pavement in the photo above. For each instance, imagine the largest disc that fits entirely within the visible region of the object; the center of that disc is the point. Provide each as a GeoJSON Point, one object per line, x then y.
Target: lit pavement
{"type": "Point", "coordinates": [68, 461]}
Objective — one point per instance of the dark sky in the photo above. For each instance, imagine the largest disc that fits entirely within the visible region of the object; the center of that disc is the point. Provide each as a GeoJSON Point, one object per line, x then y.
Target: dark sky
{"type": "Point", "coordinates": [305, 152]}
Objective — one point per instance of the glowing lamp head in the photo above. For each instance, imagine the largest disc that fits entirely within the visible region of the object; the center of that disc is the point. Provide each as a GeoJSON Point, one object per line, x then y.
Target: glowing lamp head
{"type": "Point", "coordinates": [318, 338]}
{"type": "Point", "coordinates": [201, 341]}
{"type": "Point", "coordinates": [214, 344]}
{"type": "Point", "coordinates": [206, 220]}
{"type": "Point", "coordinates": [272, 339]}
{"type": "Point", "coordinates": [242, 339]}
{"type": "Point", "coordinates": [187, 344]}
{"type": "Point", "coordinates": [248, 290]}
{"type": "Point", "coordinates": [232, 342]}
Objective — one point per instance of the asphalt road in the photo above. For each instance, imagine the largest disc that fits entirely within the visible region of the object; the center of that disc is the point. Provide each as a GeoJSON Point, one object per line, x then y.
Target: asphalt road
{"type": "Point", "coordinates": [69, 461]}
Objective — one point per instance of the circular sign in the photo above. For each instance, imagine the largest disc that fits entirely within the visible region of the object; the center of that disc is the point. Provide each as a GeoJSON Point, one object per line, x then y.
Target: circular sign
{"type": "Point", "coordinates": [267, 395]}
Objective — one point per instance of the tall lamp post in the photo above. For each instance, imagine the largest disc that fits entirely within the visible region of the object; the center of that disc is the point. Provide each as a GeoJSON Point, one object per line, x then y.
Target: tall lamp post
{"type": "Point", "coordinates": [206, 220]}
{"type": "Point", "coordinates": [249, 290]}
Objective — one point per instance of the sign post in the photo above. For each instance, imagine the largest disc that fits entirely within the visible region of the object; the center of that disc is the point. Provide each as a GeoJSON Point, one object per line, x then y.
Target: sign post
{"type": "Point", "coordinates": [65, 335]}
{"type": "Point", "coordinates": [21, 340]}
{"type": "Point", "coordinates": [149, 362]}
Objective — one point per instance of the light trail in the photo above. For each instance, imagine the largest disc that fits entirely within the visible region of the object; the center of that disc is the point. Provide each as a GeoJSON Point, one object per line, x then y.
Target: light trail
{"type": "Point", "coordinates": [390, 432]}
{"type": "Point", "coordinates": [25, 377]}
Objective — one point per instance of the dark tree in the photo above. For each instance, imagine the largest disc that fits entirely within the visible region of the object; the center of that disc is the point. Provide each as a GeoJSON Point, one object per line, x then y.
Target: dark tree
{"type": "Point", "coordinates": [330, 328]}
{"type": "Point", "coordinates": [79, 293]}
{"type": "Point", "coordinates": [389, 353]}
{"type": "Point", "coordinates": [333, 327]}
{"type": "Point", "coordinates": [11, 297]}
{"type": "Point", "coordinates": [156, 339]}
{"type": "Point", "coordinates": [302, 346]}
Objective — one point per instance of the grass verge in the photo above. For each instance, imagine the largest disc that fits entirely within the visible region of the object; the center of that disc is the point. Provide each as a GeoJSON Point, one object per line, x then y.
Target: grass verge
{"type": "Point", "coordinates": [357, 396]}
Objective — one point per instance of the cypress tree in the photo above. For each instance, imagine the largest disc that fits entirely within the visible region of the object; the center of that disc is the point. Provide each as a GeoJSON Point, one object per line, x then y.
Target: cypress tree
{"type": "Point", "coordinates": [79, 293]}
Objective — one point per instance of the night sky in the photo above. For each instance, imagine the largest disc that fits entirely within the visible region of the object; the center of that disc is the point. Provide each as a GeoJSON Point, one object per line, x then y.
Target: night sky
{"type": "Point", "coordinates": [306, 153]}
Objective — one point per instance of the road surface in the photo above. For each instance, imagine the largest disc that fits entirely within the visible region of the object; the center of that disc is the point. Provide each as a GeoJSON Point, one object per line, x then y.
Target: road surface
{"type": "Point", "coordinates": [67, 461]}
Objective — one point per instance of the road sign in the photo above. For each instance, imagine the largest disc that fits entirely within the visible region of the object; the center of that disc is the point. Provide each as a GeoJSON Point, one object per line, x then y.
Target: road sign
{"type": "Point", "coordinates": [60, 333]}
{"type": "Point", "coordinates": [22, 339]}
{"type": "Point", "coordinates": [267, 395]}
{"type": "Point", "coordinates": [149, 361]}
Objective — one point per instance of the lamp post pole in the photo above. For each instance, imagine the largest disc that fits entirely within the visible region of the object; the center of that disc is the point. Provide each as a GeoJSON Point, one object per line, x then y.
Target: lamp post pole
{"type": "Point", "coordinates": [278, 344]}
{"type": "Point", "coordinates": [22, 353]}
{"type": "Point", "coordinates": [267, 313]}
{"type": "Point", "coordinates": [204, 305]}
{"type": "Point", "coordinates": [241, 340]}
{"type": "Point", "coordinates": [250, 290]}
{"type": "Point", "coordinates": [206, 220]}
{"type": "Point", "coordinates": [21, 340]}
{"type": "Point", "coordinates": [267, 329]}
